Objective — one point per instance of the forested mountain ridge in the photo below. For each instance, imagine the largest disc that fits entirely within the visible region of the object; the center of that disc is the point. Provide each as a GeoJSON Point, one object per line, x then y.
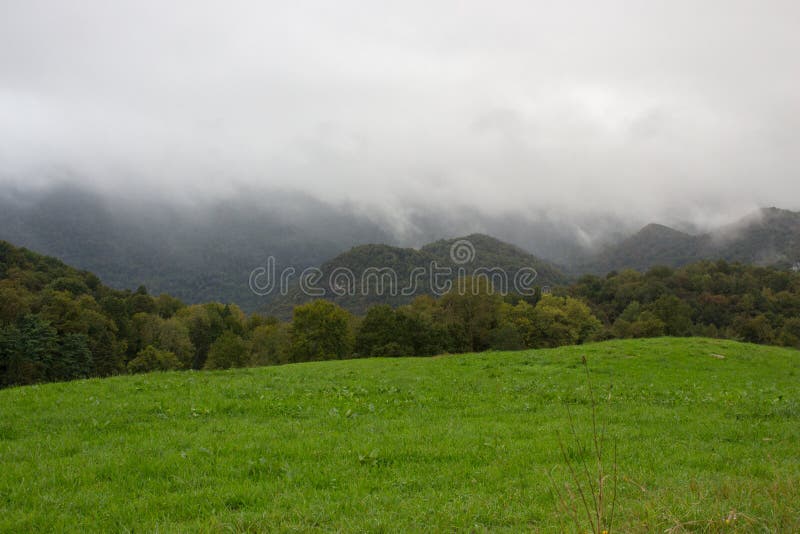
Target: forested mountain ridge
{"type": "Point", "coordinates": [493, 252]}
{"type": "Point", "coordinates": [207, 251]}
{"type": "Point", "coordinates": [195, 253]}
{"type": "Point", "coordinates": [770, 236]}
{"type": "Point", "coordinates": [480, 252]}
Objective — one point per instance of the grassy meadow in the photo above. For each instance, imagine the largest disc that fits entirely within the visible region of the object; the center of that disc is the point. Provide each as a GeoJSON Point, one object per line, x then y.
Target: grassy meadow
{"type": "Point", "coordinates": [707, 432]}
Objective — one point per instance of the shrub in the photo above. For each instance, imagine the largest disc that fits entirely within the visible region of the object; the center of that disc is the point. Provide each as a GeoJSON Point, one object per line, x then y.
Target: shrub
{"type": "Point", "coordinates": [229, 350]}
{"type": "Point", "coordinates": [320, 331]}
{"type": "Point", "coordinates": [153, 359]}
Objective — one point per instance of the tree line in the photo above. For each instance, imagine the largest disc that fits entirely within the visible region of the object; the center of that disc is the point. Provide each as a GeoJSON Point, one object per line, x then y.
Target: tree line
{"type": "Point", "coordinates": [58, 323]}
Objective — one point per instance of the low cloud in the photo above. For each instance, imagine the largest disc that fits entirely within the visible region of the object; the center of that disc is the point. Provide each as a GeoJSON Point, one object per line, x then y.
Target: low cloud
{"type": "Point", "coordinates": [651, 111]}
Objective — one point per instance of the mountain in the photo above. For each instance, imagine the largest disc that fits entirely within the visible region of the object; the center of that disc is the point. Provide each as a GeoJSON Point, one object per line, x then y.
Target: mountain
{"type": "Point", "coordinates": [196, 252]}
{"type": "Point", "coordinates": [351, 279]}
{"type": "Point", "coordinates": [655, 244]}
{"type": "Point", "coordinates": [36, 272]}
{"type": "Point", "coordinates": [770, 236]}
{"type": "Point", "coordinates": [206, 250]}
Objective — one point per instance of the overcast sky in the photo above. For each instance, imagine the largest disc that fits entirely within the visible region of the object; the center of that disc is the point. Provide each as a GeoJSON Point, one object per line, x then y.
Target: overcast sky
{"type": "Point", "coordinates": [650, 107]}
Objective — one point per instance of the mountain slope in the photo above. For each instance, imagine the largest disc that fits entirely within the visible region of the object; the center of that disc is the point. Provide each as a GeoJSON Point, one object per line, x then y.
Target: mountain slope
{"type": "Point", "coordinates": [359, 291]}
{"type": "Point", "coordinates": [655, 244]}
{"type": "Point", "coordinates": [203, 252]}
{"type": "Point", "coordinates": [197, 253]}
{"type": "Point", "coordinates": [769, 236]}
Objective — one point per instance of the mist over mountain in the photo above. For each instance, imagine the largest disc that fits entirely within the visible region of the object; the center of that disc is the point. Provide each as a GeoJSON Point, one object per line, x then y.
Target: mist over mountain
{"type": "Point", "coordinates": [180, 145]}
{"type": "Point", "coordinates": [356, 291]}
{"type": "Point", "coordinates": [214, 185]}
{"type": "Point", "coordinates": [197, 253]}
{"type": "Point", "coordinates": [528, 123]}
{"type": "Point", "coordinates": [769, 236]}
{"type": "Point", "coordinates": [205, 250]}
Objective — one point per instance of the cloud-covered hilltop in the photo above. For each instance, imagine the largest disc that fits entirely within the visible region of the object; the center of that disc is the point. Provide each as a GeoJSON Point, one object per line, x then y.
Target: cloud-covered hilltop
{"type": "Point", "coordinates": [663, 111]}
{"type": "Point", "coordinates": [207, 251]}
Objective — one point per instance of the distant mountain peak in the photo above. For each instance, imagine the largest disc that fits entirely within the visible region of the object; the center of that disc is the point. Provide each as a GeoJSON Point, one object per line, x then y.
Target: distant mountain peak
{"type": "Point", "coordinates": [474, 251]}
{"type": "Point", "coordinates": [660, 230]}
{"type": "Point", "coordinates": [773, 212]}
{"type": "Point", "coordinates": [768, 236]}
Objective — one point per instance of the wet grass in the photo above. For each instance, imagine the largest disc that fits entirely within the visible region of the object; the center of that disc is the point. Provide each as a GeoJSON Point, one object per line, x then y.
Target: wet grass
{"type": "Point", "coordinates": [464, 442]}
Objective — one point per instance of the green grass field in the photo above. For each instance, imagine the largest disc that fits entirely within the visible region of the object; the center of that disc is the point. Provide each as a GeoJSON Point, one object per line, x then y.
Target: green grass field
{"type": "Point", "coordinates": [410, 444]}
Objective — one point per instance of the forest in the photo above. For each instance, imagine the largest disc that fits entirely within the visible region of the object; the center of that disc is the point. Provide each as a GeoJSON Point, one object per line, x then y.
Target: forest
{"type": "Point", "coordinates": [58, 323]}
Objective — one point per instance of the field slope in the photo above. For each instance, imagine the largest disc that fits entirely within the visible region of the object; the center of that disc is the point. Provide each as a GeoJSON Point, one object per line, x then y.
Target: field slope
{"type": "Point", "coordinates": [461, 442]}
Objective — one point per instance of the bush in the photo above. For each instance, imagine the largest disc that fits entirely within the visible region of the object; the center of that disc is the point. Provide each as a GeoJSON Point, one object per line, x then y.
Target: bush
{"type": "Point", "coordinates": [378, 329]}
{"type": "Point", "coordinates": [152, 359]}
{"type": "Point", "coordinates": [229, 350]}
{"type": "Point", "coordinates": [562, 321]}
{"type": "Point", "coordinates": [320, 331]}
{"type": "Point", "coordinates": [270, 344]}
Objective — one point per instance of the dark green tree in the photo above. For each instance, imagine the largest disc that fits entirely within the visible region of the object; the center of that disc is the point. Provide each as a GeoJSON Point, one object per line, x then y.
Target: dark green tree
{"type": "Point", "coordinates": [152, 359]}
{"type": "Point", "coordinates": [73, 358]}
{"type": "Point", "coordinates": [229, 350]}
{"type": "Point", "coordinates": [320, 331]}
{"type": "Point", "coordinates": [380, 334]}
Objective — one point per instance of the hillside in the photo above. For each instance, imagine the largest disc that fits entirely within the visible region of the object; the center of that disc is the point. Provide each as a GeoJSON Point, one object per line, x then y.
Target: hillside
{"type": "Point", "coordinates": [58, 323]}
{"type": "Point", "coordinates": [655, 244]}
{"type": "Point", "coordinates": [426, 444]}
{"type": "Point", "coordinates": [196, 252]}
{"type": "Point", "coordinates": [770, 236]}
{"type": "Point", "coordinates": [47, 270]}
{"type": "Point", "coordinates": [484, 252]}
{"type": "Point", "coordinates": [206, 251]}
{"type": "Point", "coordinates": [61, 323]}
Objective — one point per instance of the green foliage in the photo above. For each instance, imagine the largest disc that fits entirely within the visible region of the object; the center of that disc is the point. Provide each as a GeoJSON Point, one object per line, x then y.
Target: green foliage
{"type": "Point", "coordinates": [166, 306]}
{"type": "Point", "coordinates": [15, 301]}
{"type": "Point", "coordinates": [320, 331]}
{"type": "Point", "coordinates": [420, 327]}
{"type": "Point", "coordinates": [205, 324]}
{"type": "Point", "coordinates": [790, 333]}
{"type": "Point", "coordinates": [560, 321]}
{"type": "Point", "coordinates": [490, 254]}
{"type": "Point", "coordinates": [755, 304]}
{"type": "Point", "coordinates": [51, 315]}
{"type": "Point", "coordinates": [27, 350]}
{"type": "Point", "coordinates": [69, 284]}
{"type": "Point", "coordinates": [380, 335]}
{"type": "Point", "coordinates": [674, 313]}
{"type": "Point", "coordinates": [517, 324]}
{"type": "Point", "coordinates": [470, 311]}
{"type": "Point", "coordinates": [270, 344]}
{"type": "Point", "coordinates": [506, 337]}
{"type": "Point", "coordinates": [59, 323]}
{"type": "Point", "coordinates": [152, 359]}
{"type": "Point", "coordinates": [635, 322]}
{"type": "Point", "coordinates": [73, 358]}
{"type": "Point", "coordinates": [229, 350]}
{"type": "Point", "coordinates": [552, 322]}
{"type": "Point", "coordinates": [173, 336]}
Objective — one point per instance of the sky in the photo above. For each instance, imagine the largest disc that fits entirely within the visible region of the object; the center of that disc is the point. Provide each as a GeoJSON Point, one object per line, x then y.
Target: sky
{"type": "Point", "coordinates": [658, 109]}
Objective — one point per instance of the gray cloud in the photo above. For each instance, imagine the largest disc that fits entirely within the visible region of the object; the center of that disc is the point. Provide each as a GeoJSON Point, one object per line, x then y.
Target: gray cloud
{"type": "Point", "coordinates": [662, 110]}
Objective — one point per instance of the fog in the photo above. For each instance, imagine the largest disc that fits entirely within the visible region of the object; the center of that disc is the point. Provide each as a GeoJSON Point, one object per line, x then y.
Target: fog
{"type": "Point", "coordinates": [586, 118]}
